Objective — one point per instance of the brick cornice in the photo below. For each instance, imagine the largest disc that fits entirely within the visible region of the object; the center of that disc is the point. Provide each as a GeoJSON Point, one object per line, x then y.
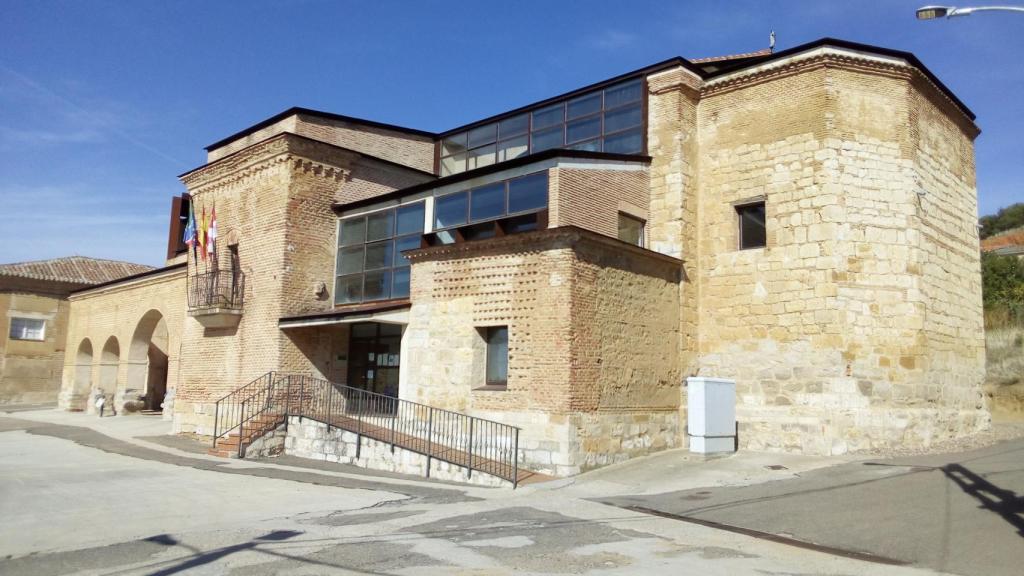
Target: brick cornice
{"type": "Point", "coordinates": [848, 61]}
{"type": "Point", "coordinates": [285, 149]}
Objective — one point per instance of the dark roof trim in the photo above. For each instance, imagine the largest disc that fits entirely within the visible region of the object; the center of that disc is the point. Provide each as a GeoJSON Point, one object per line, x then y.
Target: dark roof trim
{"type": "Point", "coordinates": [499, 167]}
{"type": "Point", "coordinates": [295, 110]}
{"type": "Point", "coordinates": [153, 272]}
{"type": "Point", "coordinates": [350, 310]}
{"type": "Point", "coordinates": [639, 73]}
{"type": "Point", "coordinates": [834, 42]}
{"type": "Point", "coordinates": [321, 142]}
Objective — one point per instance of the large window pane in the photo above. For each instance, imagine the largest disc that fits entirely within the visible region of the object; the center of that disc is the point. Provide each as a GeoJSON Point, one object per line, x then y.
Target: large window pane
{"type": "Point", "coordinates": [410, 219]}
{"type": "Point", "coordinates": [550, 138]}
{"type": "Point", "coordinates": [350, 260]}
{"type": "Point", "coordinates": [548, 116]}
{"type": "Point", "coordinates": [589, 145]}
{"type": "Point", "coordinates": [353, 231]}
{"type": "Point", "coordinates": [450, 210]}
{"type": "Point", "coordinates": [453, 144]}
{"type": "Point", "coordinates": [403, 244]}
{"type": "Point", "coordinates": [482, 135]}
{"type": "Point", "coordinates": [622, 118]}
{"type": "Point", "coordinates": [528, 193]}
{"type": "Point", "coordinates": [583, 105]}
{"type": "Point", "coordinates": [377, 285]}
{"type": "Point", "coordinates": [379, 255]}
{"type": "Point", "coordinates": [628, 142]}
{"type": "Point", "coordinates": [400, 283]}
{"type": "Point", "coordinates": [513, 126]}
{"type": "Point", "coordinates": [497, 355]}
{"type": "Point", "coordinates": [348, 289]}
{"type": "Point", "coordinates": [453, 164]}
{"type": "Point", "coordinates": [480, 157]}
{"type": "Point", "coordinates": [622, 94]}
{"type": "Point", "coordinates": [380, 225]}
{"type": "Point", "coordinates": [487, 202]}
{"type": "Point", "coordinates": [584, 129]}
{"type": "Point", "coordinates": [513, 148]}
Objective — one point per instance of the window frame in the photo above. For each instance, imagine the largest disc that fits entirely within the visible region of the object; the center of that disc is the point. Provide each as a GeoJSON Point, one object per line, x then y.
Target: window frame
{"type": "Point", "coordinates": [486, 332]}
{"type": "Point", "coordinates": [642, 243]}
{"type": "Point", "coordinates": [387, 272]}
{"type": "Point", "coordinates": [528, 111]}
{"type": "Point", "coordinates": [42, 329]}
{"type": "Point", "coordinates": [506, 213]}
{"type": "Point", "coordinates": [738, 209]}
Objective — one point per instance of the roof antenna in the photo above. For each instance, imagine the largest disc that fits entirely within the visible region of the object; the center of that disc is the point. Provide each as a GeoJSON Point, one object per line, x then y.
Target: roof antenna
{"type": "Point", "coordinates": [771, 41]}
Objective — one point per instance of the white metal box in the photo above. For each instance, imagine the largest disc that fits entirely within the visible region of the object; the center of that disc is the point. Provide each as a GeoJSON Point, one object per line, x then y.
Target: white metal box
{"type": "Point", "coordinates": [711, 414]}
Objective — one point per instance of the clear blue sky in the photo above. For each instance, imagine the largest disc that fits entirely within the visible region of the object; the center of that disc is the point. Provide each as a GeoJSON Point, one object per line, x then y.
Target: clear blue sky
{"type": "Point", "coordinates": [102, 104]}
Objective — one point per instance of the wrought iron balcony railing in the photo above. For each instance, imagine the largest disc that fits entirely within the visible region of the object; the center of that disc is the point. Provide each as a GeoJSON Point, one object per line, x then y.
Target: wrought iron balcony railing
{"type": "Point", "coordinates": [216, 290]}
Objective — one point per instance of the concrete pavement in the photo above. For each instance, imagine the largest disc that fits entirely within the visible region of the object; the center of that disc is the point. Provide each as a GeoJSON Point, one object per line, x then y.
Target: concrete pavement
{"type": "Point", "coordinates": [80, 495]}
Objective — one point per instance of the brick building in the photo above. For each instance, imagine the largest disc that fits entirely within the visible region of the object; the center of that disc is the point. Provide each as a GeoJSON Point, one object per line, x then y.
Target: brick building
{"type": "Point", "coordinates": [34, 309]}
{"type": "Point", "coordinates": [800, 221]}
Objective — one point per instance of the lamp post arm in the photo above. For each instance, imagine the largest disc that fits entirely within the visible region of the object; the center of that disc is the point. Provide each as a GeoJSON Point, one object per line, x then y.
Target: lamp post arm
{"type": "Point", "coordinates": [970, 10]}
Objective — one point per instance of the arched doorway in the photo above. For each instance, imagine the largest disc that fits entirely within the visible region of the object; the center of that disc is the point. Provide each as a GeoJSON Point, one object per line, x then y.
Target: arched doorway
{"type": "Point", "coordinates": [146, 384]}
{"type": "Point", "coordinates": [110, 357]}
{"type": "Point", "coordinates": [83, 372]}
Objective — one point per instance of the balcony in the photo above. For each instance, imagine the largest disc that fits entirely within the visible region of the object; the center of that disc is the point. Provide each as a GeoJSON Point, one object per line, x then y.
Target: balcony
{"type": "Point", "coordinates": [215, 298]}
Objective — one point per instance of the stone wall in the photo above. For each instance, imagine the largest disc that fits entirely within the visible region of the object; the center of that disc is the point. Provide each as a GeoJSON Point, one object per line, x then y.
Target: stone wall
{"type": "Point", "coordinates": [111, 333]}
{"type": "Point", "coordinates": [30, 371]}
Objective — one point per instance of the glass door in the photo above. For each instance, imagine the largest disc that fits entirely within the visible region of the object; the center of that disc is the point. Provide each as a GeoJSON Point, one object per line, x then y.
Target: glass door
{"type": "Point", "coordinates": [374, 357]}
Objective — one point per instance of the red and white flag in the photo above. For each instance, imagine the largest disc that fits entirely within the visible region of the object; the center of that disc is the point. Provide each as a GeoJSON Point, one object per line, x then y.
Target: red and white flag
{"type": "Point", "coordinates": [211, 234]}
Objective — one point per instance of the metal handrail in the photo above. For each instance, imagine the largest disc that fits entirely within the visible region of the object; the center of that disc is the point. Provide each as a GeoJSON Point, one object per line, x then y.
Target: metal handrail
{"type": "Point", "coordinates": [468, 441]}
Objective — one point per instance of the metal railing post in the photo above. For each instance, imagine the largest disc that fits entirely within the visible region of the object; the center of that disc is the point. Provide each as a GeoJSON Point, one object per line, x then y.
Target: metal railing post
{"type": "Point", "coordinates": [470, 448]}
{"type": "Point", "coordinates": [216, 421]}
{"type": "Point", "coordinates": [394, 424]}
{"type": "Point", "coordinates": [302, 396]}
{"type": "Point", "coordinates": [515, 461]}
{"type": "Point", "coordinates": [359, 427]}
{"type": "Point", "coordinates": [241, 428]}
{"type": "Point", "coordinates": [430, 437]}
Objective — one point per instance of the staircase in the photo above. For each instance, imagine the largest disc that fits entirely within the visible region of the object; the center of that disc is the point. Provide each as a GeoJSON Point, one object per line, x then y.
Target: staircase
{"type": "Point", "coordinates": [265, 404]}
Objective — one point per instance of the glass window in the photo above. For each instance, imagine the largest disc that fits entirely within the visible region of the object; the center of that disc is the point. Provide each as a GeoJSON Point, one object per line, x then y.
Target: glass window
{"type": "Point", "coordinates": [454, 144]}
{"type": "Point", "coordinates": [380, 225]}
{"type": "Point", "coordinates": [524, 223]}
{"type": "Point", "coordinates": [589, 145]}
{"type": "Point", "coordinates": [480, 231]}
{"type": "Point", "coordinates": [514, 148]}
{"type": "Point", "coordinates": [453, 164]}
{"type": "Point", "coordinates": [403, 244]}
{"type": "Point", "coordinates": [350, 260]}
{"type": "Point", "coordinates": [583, 106]}
{"type": "Point", "coordinates": [545, 139]}
{"type": "Point", "coordinates": [410, 219]}
{"type": "Point", "coordinates": [497, 355]}
{"type": "Point", "coordinates": [584, 129]}
{"type": "Point", "coordinates": [528, 193]}
{"type": "Point", "coordinates": [379, 255]}
{"type": "Point", "coordinates": [450, 210]}
{"type": "Point", "coordinates": [487, 202]}
{"type": "Point", "coordinates": [631, 229]}
{"type": "Point", "coordinates": [352, 232]}
{"type": "Point", "coordinates": [377, 285]}
{"type": "Point", "coordinates": [622, 94]}
{"type": "Point", "coordinates": [480, 157]}
{"type": "Point", "coordinates": [549, 116]}
{"type": "Point", "coordinates": [621, 119]}
{"type": "Point", "coordinates": [348, 289]}
{"type": "Point", "coordinates": [28, 329]}
{"type": "Point", "coordinates": [752, 226]}
{"type": "Point", "coordinates": [482, 135]}
{"type": "Point", "coordinates": [629, 142]}
{"type": "Point", "coordinates": [514, 126]}
{"type": "Point", "coordinates": [400, 286]}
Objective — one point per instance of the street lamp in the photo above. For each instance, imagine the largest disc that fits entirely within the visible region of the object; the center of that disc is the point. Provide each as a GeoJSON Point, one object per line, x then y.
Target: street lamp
{"type": "Point", "coordinates": [935, 12]}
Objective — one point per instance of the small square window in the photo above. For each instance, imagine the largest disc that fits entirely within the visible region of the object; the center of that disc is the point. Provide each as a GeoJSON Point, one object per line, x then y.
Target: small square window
{"type": "Point", "coordinates": [28, 329]}
{"type": "Point", "coordinates": [752, 232]}
{"type": "Point", "coordinates": [631, 229]}
{"type": "Point", "coordinates": [497, 355]}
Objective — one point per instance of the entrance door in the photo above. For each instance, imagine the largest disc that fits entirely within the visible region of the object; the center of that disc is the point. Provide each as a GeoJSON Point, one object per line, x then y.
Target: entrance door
{"type": "Point", "coordinates": [374, 356]}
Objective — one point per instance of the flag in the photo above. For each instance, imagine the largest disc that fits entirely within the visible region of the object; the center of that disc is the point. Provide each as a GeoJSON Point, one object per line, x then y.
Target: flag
{"type": "Point", "coordinates": [190, 228]}
{"type": "Point", "coordinates": [202, 235]}
{"type": "Point", "coordinates": [211, 234]}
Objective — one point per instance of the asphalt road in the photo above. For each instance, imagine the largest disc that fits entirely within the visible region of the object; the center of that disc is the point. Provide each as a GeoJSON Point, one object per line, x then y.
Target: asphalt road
{"type": "Point", "coordinates": [960, 513]}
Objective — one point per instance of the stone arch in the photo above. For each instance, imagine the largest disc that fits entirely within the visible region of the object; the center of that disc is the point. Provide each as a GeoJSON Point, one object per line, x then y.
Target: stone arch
{"type": "Point", "coordinates": [146, 382]}
{"type": "Point", "coordinates": [110, 359]}
{"type": "Point", "coordinates": [83, 371]}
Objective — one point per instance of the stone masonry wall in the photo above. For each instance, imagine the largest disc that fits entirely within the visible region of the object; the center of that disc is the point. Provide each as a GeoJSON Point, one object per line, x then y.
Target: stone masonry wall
{"type": "Point", "coordinates": [30, 371]}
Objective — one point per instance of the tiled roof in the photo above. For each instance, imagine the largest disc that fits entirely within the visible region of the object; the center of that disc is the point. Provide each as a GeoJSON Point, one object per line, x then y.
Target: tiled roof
{"type": "Point", "coordinates": [762, 52]}
{"type": "Point", "coordinates": [1001, 242]}
{"type": "Point", "coordinates": [73, 269]}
